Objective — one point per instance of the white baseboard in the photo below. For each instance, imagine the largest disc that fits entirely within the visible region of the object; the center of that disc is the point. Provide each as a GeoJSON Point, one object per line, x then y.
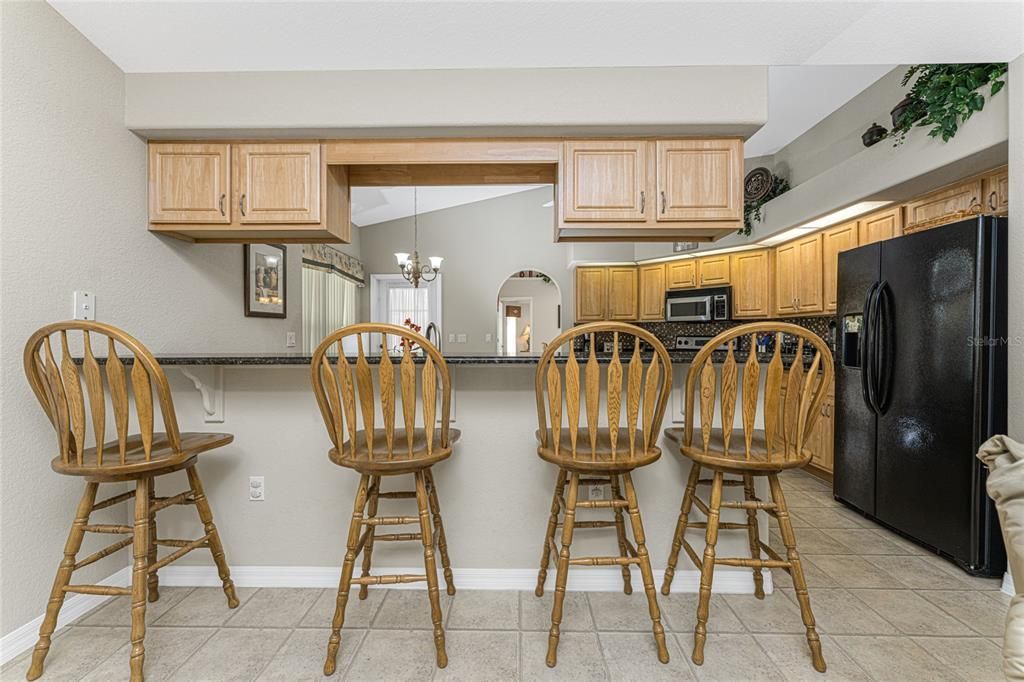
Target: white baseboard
{"type": "Point", "coordinates": [75, 606]}
{"type": "Point", "coordinates": [589, 579]}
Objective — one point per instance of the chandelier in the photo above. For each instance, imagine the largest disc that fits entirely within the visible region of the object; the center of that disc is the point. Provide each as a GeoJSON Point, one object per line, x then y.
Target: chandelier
{"type": "Point", "coordinates": [411, 268]}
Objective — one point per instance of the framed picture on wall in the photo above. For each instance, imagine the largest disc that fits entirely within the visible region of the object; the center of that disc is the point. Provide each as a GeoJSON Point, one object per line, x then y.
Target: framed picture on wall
{"type": "Point", "coordinates": [265, 280]}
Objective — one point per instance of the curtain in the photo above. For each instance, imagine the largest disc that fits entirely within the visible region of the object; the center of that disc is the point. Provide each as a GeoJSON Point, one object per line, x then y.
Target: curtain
{"type": "Point", "coordinates": [329, 302]}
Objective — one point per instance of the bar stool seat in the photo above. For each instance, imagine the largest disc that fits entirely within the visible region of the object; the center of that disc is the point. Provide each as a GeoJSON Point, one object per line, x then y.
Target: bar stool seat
{"type": "Point", "coordinates": [163, 456]}
{"type": "Point", "coordinates": [735, 461]}
{"type": "Point", "coordinates": [605, 457]}
{"type": "Point", "coordinates": [405, 462]}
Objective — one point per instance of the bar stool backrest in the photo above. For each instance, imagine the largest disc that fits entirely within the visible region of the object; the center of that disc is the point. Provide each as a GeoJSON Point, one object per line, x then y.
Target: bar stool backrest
{"type": "Point", "coordinates": [58, 387]}
{"type": "Point", "coordinates": [647, 389]}
{"type": "Point", "coordinates": [341, 389]}
{"type": "Point", "coordinates": [805, 390]}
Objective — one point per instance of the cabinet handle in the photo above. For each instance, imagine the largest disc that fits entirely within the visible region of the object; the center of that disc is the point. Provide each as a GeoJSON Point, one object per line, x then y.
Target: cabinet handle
{"type": "Point", "coordinates": [992, 201]}
{"type": "Point", "coordinates": [221, 204]}
{"type": "Point", "coordinates": [643, 201]}
{"type": "Point", "coordinates": [975, 206]}
{"type": "Point", "coordinates": [241, 204]}
{"type": "Point", "coordinates": [664, 204]}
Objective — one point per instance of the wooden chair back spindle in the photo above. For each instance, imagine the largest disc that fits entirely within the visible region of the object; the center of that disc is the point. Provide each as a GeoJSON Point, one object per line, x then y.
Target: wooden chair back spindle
{"type": "Point", "coordinates": [339, 389]}
{"type": "Point", "coordinates": [796, 414]}
{"type": "Point", "coordinates": [73, 411]}
{"type": "Point", "coordinates": [563, 392]}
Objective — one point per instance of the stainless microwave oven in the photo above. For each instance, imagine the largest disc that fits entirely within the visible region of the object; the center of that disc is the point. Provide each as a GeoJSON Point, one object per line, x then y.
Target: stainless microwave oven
{"type": "Point", "coordinates": [698, 305]}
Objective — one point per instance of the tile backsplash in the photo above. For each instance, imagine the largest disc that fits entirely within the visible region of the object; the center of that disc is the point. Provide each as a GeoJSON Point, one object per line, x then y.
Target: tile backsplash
{"type": "Point", "coordinates": [666, 332]}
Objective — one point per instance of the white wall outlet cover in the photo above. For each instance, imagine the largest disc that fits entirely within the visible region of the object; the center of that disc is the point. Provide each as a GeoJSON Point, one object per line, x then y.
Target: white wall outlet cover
{"type": "Point", "coordinates": [85, 305]}
{"type": "Point", "coordinates": [488, 338]}
{"type": "Point", "coordinates": [460, 338]}
{"type": "Point", "coordinates": [596, 492]}
{"type": "Point", "coordinates": [289, 339]}
{"type": "Point", "coordinates": [257, 493]}
{"type": "Point", "coordinates": [451, 338]}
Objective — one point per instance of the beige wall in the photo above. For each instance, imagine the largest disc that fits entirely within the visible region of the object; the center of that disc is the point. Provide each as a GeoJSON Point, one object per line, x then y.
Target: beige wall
{"type": "Point", "coordinates": [482, 243]}
{"type": "Point", "coordinates": [74, 217]}
{"type": "Point", "coordinates": [1015, 257]}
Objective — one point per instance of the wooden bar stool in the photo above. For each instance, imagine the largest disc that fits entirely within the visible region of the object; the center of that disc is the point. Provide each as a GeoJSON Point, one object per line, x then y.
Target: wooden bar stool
{"type": "Point", "coordinates": [379, 452]}
{"type": "Point", "coordinates": [137, 457]}
{"type": "Point", "coordinates": [757, 453]}
{"type": "Point", "coordinates": [600, 454]}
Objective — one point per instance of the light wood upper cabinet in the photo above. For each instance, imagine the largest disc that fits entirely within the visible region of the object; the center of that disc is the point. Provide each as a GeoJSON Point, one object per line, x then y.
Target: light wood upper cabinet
{"type": "Point", "coordinates": [751, 284]}
{"type": "Point", "coordinates": [809, 297]}
{"type": "Point", "coordinates": [681, 274]}
{"type": "Point", "coordinates": [622, 293]}
{"type": "Point", "coordinates": [880, 226]}
{"type": "Point", "coordinates": [278, 183]}
{"type": "Point", "coordinates": [605, 180]}
{"type": "Point", "coordinates": [713, 271]}
{"type": "Point", "coordinates": [834, 241]}
{"type": "Point", "coordinates": [945, 205]}
{"type": "Point", "coordinates": [786, 278]}
{"type": "Point", "coordinates": [996, 188]}
{"type": "Point", "coordinates": [591, 293]}
{"type": "Point", "coordinates": [188, 183]}
{"type": "Point", "coordinates": [652, 292]}
{"type": "Point", "coordinates": [699, 179]}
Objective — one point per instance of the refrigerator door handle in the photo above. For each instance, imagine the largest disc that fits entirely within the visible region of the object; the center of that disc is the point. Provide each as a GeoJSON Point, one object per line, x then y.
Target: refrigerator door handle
{"type": "Point", "coordinates": [884, 347]}
{"type": "Point", "coordinates": [866, 350]}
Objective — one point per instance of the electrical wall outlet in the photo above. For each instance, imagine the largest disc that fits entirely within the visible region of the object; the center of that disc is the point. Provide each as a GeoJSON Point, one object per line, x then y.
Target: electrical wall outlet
{"type": "Point", "coordinates": [460, 338]}
{"type": "Point", "coordinates": [596, 492]}
{"type": "Point", "coordinates": [257, 493]}
{"type": "Point", "coordinates": [451, 338]}
{"type": "Point", "coordinates": [85, 305]}
{"type": "Point", "coordinates": [289, 339]}
{"type": "Point", "coordinates": [488, 338]}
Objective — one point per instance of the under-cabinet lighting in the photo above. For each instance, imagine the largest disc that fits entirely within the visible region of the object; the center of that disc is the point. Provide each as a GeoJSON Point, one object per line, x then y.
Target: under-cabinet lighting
{"type": "Point", "coordinates": [699, 254]}
{"type": "Point", "coordinates": [845, 214]}
{"type": "Point", "coordinates": [786, 235]}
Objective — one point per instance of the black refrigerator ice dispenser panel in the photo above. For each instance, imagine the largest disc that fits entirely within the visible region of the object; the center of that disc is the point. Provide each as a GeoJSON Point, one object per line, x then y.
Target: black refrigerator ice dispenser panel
{"type": "Point", "coordinates": [850, 347]}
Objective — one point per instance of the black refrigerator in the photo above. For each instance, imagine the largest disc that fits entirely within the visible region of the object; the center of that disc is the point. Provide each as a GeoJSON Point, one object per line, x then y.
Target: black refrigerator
{"type": "Point", "coordinates": [921, 383]}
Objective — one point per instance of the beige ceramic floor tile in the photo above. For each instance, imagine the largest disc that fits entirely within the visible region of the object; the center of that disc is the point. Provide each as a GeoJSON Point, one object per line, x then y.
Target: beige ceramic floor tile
{"type": "Point", "coordinates": [634, 656]}
{"type": "Point", "coordinates": [166, 650]}
{"type": "Point", "coordinates": [775, 613]}
{"type": "Point", "coordinates": [814, 541]}
{"type": "Point", "coordinates": [394, 655]}
{"type": "Point", "coordinates": [118, 610]}
{"type": "Point", "coordinates": [618, 612]}
{"type": "Point", "coordinates": [917, 572]}
{"type": "Point", "coordinates": [792, 657]}
{"type": "Point", "coordinates": [731, 657]}
{"type": "Point", "coordinates": [407, 610]}
{"type": "Point", "coordinates": [484, 610]}
{"type": "Point", "coordinates": [894, 659]}
{"type": "Point", "coordinates": [852, 571]}
{"type": "Point", "coordinates": [835, 517]}
{"type": "Point", "coordinates": [579, 657]}
{"type": "Point", "coordinates": [911, 614]}
{"type": "Point", "coordinates": [274, 608]}
{"type": "Point", "coordinates": [813, 575]}
{"type": "Point", "coordinates": [836, 611]}
{"type": "Point", "coordinates": [232, 654]}
{"type": "Point", "coordinates": [863, 541]}
{"type": "Point", "coordinates": [974, 658]}
{"type": "Point", "coordinates": [535, 612]}
{"type": "Point", "coordinates": [680, 612]}
{"type": "Point", "coordinates": [481, 655]}
{"type": "Point", "coordinates": [204, 607]}
{"type": "Point", "coordinates": [905, 545]}
{"type": "Point", "coordinates": [983, 614]}
{"type": "Point", "coordinates": [74, 652]}
{"type": "Point", "coordinates": [358, 612]}
{"type": "Point", "coordinates": [302, 656]}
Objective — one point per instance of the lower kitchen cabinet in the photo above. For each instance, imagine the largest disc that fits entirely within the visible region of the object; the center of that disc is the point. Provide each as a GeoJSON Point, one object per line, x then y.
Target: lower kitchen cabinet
{"type": "Point", "coordinates": [751, 284]}
{"type": "Point", "coordinates": [821, 439]}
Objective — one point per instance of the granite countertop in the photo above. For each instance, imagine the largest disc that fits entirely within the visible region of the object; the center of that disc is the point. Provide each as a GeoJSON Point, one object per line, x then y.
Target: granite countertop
{"type": "Point", "coordinates": [281, 359]}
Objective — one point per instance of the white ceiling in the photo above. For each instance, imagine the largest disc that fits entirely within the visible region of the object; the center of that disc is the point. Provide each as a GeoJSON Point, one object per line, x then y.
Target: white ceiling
{"type": "Point", "coordinates": [285, 36]}
{"type": "Point", "coordinates": [372, 205]}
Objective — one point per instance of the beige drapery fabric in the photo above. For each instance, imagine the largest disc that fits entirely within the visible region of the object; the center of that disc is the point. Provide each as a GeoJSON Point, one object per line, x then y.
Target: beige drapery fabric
{"type": "Point", "coordinates": [329, 302]}
{"type": "Point", "coordinates": [1005, 460]}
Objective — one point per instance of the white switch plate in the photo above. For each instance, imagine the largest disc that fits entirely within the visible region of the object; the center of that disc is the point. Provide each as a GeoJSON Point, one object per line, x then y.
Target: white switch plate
{"type": "Point", "coordinates": [460, 338]}
{"type": "Point", "coordinates": [488, 338]}
{"type": "Point", "coordinates": [289, 339]}
{"type": "Point", "coordinates": [596, 492]}
{"type": "Point", "coordinates": [256, 490]}
{"type": "Point", "coordinates": [85, 305]}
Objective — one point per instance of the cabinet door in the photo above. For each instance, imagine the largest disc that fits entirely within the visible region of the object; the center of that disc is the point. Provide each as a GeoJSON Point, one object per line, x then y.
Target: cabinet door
{"type": "Point", "coordinates": [604, 180]}
{"type": "Point", "coordinates": [682, 274]}
{"type": "Point", "coordinates": [188, 183]}
{"type": "Point", "coordinates": [786, 278]}
{"type": "Point", "coordinates": [751, 283]}
{"type": "Point", "coordinates": [945, 205]}
{"type": "Point", "coordinates": [700, 179]}
{"type": "Point", "coordinates": [833, 242]}
{"type": "Point", "coordinates": [713, 271]}
{"type": "Point", "coordinates": [652, 292]}
{"type": "Point", "coordinates": [622, 293]}
{"type": "Point", "coordinates": [997, 192]}
{"type": "Point", "coordinates": [878, 227]}
{"type": "Point", "coordinates": [809, 285]}
{"type": "Point", "coordinates": [591, 294]}
{"type": "Point", "coordinates": [278, 183]}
